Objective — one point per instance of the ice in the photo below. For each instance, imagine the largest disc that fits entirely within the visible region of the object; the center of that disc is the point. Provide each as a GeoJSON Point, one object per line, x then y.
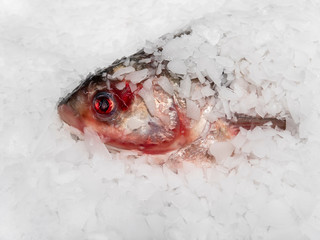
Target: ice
{"type": "Point", "coordinates": [196, 91]}
{"type": "Point", "coordinates": [165, 84]}
{"type": "Point", "coordinates": [227, 94]}
{"type": "Point", "coordinates": [277, 213]}
{"type": "Point", "coordinates": [207, 91]}
{"type": "Point", "coordinates": [134, 123]}
{"type": "Point", "coordinates": [185, 86]}
{"type": "Point", "coordinates": [211, 35]}
{"type": "Point", "coordinates": [94, 145]}
{"type": "Point", "coordinates": [240, 139]}
{"type": "Point", "coordinates": [221, 150]}
{"type": "Point", "coordinates": [122, 71]}
{"type": "Point", "coordinates": [210, 67]}
{"type": "Point", "coordinates": [138, 76]}
{"type": "Point", "coordinates": [225, 62]}
{"type": "Point", "coordinates": [177, 66]}
{"type": "Point", "coordinates": [121, 85]}
{"type": "Point", "coordinates": [179, 48]}
{"type": "Point", "coordinates": [148, 98]}
{"type": "Point", "coordinates": [147, 85]}
{"type": "Point", "coordinates": [193, 110]}
{"type": "Point", "coordinates": [260, 57]}
{"type": "Point", "coordinates": [200, 76]}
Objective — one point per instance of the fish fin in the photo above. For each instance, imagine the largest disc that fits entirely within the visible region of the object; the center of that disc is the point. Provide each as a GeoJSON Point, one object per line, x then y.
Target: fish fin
{"type": "Point", "coordinates": [250, 123]}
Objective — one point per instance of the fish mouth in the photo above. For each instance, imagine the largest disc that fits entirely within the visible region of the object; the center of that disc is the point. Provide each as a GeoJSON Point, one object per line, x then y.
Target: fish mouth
{"type": "Point", "coordinates": [69, 116]}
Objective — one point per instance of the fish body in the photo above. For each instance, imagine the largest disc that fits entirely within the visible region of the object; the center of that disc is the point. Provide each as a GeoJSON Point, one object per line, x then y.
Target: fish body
{"type": "Point", "coordinates": [154, 103]}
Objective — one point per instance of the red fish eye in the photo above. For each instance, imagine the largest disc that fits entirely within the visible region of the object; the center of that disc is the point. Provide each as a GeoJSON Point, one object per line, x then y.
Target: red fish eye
{"type": "Point", "coordinates": [103, 103]}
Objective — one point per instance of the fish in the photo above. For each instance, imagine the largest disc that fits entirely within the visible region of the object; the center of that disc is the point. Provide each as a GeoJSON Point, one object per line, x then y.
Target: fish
{"type": "Point", "coordinates": [152, 103]}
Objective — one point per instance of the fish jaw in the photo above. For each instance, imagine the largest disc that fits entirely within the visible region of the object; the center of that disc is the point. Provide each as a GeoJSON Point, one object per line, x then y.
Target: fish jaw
{"type": "Point", "coordinates": [70, 117]}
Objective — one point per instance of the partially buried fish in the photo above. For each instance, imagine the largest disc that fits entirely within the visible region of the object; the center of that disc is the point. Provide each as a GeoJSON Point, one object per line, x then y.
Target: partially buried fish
{"type": "Point", "coordinates": [163, 98]}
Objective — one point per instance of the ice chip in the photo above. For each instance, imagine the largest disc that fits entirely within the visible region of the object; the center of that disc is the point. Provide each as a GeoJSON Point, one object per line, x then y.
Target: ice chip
{"type": "Point", "coordinates": [177, 66]}
{"type": "Point", "coordinates": [134, 123]}
{"type": "Point", "coordinates": [148, 98]}
{"type": "Point", "coordinates": [138, 76]}
{"type": "Point", "coordinates": [122, 71]}
{"type": "Point", "coordinates": [193, 111]}
{"type": "Point", "coordinates": [165, 84]}
{"type": "Point", "coordinates": [185, 86]}
{"type": "Point", "coordinates": [207, 91]}
{"type": "Point", "coordinates": [221, 150]}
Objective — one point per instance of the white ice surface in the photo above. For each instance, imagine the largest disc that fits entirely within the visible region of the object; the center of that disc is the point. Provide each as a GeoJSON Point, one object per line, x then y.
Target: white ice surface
{"type": "Point", "coordinates": [53, 187]}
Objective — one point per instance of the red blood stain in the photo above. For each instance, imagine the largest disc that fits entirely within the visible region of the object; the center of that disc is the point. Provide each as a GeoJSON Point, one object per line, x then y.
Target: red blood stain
{"type": "Point", "coordinates": [124, 96]}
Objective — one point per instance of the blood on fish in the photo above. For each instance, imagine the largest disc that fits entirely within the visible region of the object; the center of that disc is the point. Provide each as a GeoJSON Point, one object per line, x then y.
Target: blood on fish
{"type": "Point", "coordinates": [125, 96]}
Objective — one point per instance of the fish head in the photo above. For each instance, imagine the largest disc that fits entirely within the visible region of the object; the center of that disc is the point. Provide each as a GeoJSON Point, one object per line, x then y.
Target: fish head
{"type": "Point", "coordinates": [125, 115]}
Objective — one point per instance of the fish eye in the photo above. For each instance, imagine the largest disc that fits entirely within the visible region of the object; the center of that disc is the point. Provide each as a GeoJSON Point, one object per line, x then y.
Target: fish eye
{"type": "Point", "coordinates": [103, 103]}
